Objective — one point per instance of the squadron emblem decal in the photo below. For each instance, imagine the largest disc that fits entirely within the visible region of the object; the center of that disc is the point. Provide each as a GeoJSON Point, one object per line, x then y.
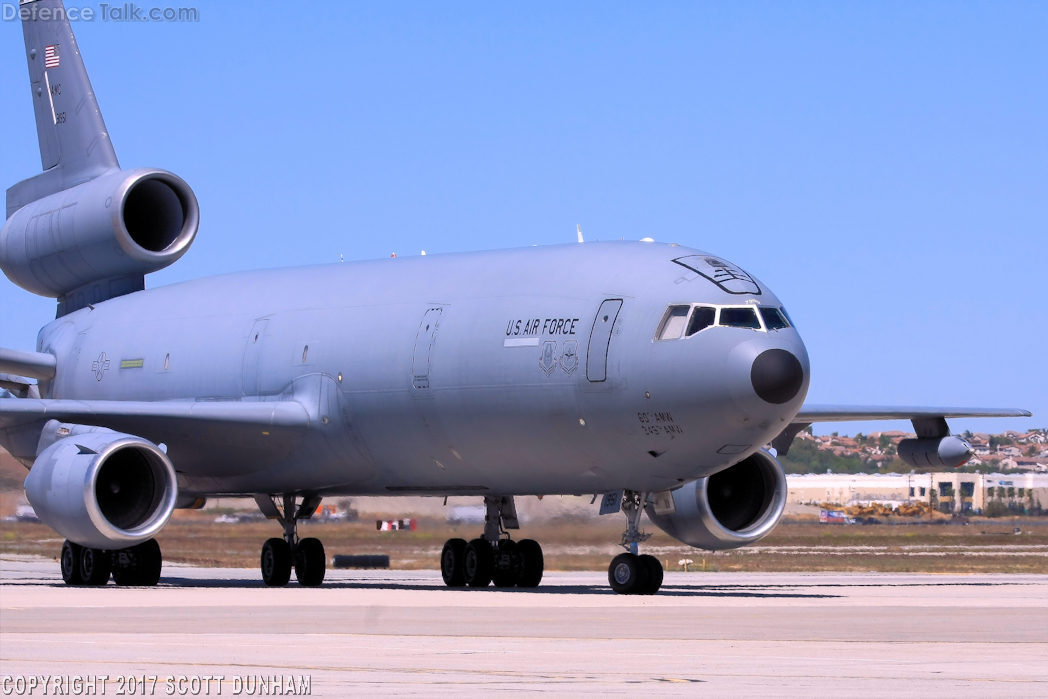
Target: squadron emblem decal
{"type": "Point", "coordinates": [548, 358]}
{"type": "Point", "coordinates": [727, 276]}
{"type": "Point", "coordinates": [100, 366]}
{"type": "Point", "coordinates": [569, 359]}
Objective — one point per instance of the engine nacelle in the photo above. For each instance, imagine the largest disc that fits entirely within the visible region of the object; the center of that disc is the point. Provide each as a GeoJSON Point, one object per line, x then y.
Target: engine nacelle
{"type": "Point", "coordinates": [100, 488]}
{"type": "Point", "coordinates": [112, 229]}
{"type": "Point", "coordinates": [731, 508]}
{"type": "Point", "coordinates": [936, 452]}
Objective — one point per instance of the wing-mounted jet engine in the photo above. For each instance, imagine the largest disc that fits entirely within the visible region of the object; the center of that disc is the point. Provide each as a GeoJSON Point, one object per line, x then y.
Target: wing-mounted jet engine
{"type": "Point", "coordinates": [109, 494]}
{"type": "Point", "coordinates": [734, 507]}
{"type": "Point", "coordinates": [101, 488]}
{"type": "Point", "coordinates": [84, 230]}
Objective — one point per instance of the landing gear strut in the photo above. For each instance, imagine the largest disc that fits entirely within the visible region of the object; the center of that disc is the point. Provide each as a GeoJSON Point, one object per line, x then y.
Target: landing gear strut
{"type": "Point", "coordinates": [138, 565]}
{"type": "Point", "coordinates": [493, 557]}
{"type": "Point", "coordinates": [279, 556]}
{"type": "Point", "coordinates": [630, 573]}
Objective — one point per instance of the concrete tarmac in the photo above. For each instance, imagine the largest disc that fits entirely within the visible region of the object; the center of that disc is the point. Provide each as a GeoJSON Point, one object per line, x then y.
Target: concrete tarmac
{"type": "Point", "coordinates": [402, 633]}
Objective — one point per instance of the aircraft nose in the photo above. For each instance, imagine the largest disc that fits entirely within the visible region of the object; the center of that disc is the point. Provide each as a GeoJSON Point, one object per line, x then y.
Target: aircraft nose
{"type": "Point", "coordinates": [777, 376]}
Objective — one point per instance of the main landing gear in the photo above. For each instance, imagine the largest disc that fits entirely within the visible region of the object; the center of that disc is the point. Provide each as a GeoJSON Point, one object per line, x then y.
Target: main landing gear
{"type": "Point", "coordinates": [279, 556]}
{"type": "Point", "coordinates": [630, 573]}
{"type": "Point", "coordinates": [493, 558]}
{"type": "Point", "coordinates": [139, 565]}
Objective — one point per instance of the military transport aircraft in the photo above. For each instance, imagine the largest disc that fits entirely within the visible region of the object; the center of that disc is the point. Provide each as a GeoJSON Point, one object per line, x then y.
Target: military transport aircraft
{"type": "Point", "coordinates": [650, 375]}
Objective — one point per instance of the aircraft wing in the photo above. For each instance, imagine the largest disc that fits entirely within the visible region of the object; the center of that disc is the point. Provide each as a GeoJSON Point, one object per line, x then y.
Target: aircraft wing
{"type": "Point", "coordinates": [928, 421]}
{"type": "Point", "coordinates": [214, 437]}
{"type": "Point", "coordinates": [853, 413]}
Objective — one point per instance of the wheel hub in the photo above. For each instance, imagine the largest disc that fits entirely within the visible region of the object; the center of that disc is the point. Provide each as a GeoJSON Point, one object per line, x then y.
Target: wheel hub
{"type": "Point", "coordinates": [267, 562]}
{"type": "Point", "coordinates": [471, 564]}
{"type": "Point", "coordinates": [622, 573]}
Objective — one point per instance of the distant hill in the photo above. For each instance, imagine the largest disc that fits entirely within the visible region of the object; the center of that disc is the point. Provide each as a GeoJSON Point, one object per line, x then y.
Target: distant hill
{"type": "Point", "coordinates": [1010, 452]}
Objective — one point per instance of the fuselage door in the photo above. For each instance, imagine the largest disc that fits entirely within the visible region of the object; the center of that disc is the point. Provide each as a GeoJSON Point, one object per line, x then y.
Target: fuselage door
{"type": "Point", "coordinates": [600, 339]}
{"type": "Point", "coordinates": [420, 359]}
{"type": "Point", "coordinates": [252, 350]}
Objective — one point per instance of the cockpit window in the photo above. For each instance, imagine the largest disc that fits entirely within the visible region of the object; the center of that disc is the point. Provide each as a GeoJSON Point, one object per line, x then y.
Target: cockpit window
{"type": "Point", "coordinates": [773, 319]}
{"type": "Point", "coordinates": [673, 324]}
{"type": "Point", "coordinates": [701, 318]}
{"type": "Point", "coordinates": [685, 320]}
{"type": "Point", "coordinates": [739, 318]}
{"type": "Point", "coordinates": [787, 316]}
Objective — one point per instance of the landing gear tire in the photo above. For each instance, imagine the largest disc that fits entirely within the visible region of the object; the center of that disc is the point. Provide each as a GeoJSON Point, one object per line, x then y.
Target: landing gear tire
{"type": "Point", "coordinates": [151, 562]}
{"type": "Point", "coordinates": [70, 562]}
{"type": "Point", "coordinates": [479, 563]}
{"type": "Point", "coordinates": [627, 574]}
{"type": "Point", "coordinates": [507, 565]}
{"type": "Point", "coordinates": [94, 566]}
{"type": "Point", "coordinates": [276, 562]}
{"type": "Point", "coordinates": [453, 562]}
{"type": "Point", "coordinates": [138, 565]}
{"type": "Point", "coordinates": [654, 574]}
{"type": "Point", "coordinates": [532, 564]}
{"type": "Point", "coordinates": [310, 562]}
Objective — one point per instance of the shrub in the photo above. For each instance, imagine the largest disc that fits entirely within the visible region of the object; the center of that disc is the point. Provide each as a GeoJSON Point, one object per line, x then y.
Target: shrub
{"type": "Point", "coordinates": [996, 508]}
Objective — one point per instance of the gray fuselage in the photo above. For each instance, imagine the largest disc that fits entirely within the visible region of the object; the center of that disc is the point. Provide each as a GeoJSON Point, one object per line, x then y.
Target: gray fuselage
{"type": "Point", "coordinates": [442, 374]}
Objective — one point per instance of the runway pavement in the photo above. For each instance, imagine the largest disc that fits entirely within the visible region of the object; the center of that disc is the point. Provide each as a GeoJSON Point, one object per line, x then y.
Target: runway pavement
{"type": "Point", "coordinates": [393, 633]}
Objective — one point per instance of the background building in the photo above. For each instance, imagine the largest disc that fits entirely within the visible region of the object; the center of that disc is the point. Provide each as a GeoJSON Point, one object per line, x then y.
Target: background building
{"type": "Point", "coordinates": [948, 492]}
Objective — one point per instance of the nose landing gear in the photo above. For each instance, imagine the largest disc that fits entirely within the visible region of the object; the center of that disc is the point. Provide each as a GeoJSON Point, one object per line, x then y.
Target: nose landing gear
{"type": "Point", "coordinates": [630, 573]}
{"type": "Point", "coordinates": [279, 556]}
{"type": "Point", "coordinates": [493, 558]}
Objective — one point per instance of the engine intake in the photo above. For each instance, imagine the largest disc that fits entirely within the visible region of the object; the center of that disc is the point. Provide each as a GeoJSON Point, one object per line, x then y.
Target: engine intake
{"type": "Point", "coordinates": [100, 488]}
{"type": "Point", "coordinates": [98, 239]}
{"type": "Point", "coordinates": [731, 508]}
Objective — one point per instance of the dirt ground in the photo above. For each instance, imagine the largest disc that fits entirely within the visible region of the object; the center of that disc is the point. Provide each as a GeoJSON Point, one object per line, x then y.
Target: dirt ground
{"type": "Point", "coordinates": [979, 547]}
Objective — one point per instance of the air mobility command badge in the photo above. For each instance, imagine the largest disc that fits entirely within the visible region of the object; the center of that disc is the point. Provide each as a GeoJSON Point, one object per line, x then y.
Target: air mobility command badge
{"type": "Point", "coordinates": [548, 358]}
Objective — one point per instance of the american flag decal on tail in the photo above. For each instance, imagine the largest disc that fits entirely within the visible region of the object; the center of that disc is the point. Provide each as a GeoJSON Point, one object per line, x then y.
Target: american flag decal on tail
{"type": "Point", "coordinates": [51, 56]}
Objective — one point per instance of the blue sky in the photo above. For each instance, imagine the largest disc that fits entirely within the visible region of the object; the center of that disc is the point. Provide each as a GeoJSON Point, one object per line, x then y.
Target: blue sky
{"type": "Point", "coordinates": [882, 166]}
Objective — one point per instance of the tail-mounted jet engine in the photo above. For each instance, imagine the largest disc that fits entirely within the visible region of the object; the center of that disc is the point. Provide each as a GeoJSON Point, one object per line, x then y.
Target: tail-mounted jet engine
{"type": "Point", "coordinates": [98, 239]}
{"type": "Point", "coordinates": [731, 508]}
{"type": "Point", "coordinates": [101, 489]}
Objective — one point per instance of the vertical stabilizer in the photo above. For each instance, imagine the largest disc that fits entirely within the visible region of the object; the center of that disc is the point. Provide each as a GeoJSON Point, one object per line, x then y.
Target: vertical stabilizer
{"type": "Point", "coordinates": [74, 142]}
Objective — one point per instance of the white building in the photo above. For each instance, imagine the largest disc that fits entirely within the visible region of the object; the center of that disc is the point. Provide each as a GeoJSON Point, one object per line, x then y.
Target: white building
{"type": "Point", "coordinates": [947, 491]}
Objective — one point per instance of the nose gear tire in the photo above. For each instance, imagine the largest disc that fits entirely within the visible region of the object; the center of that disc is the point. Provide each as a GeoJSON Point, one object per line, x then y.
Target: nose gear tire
{"type": "Point", "coordinates": [655, 574]}
{"type": "Point", "coordinates": [627, 574]}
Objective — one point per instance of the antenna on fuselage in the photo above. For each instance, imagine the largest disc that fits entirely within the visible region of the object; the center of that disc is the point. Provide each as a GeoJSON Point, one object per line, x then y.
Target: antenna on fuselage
{"type": "Point", "coordinates": [579, 229]}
